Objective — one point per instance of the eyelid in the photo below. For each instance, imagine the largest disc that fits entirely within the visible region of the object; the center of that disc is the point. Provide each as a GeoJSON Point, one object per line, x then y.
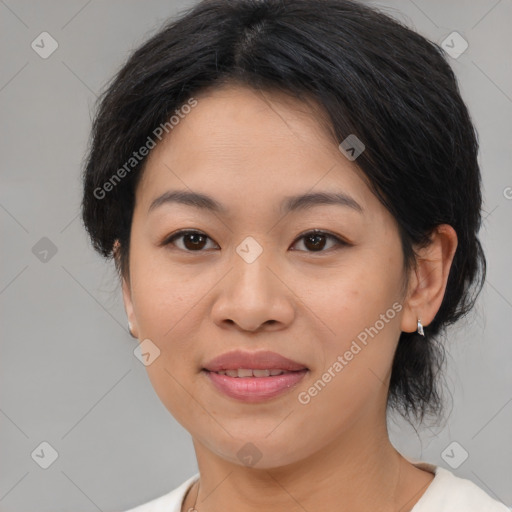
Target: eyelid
{"type": "Point", "coordinates": [339, 240]}
{"type": "Point", "coordinates": [319, 231]}
{"type": "Point", "coordinates": [182, 232]}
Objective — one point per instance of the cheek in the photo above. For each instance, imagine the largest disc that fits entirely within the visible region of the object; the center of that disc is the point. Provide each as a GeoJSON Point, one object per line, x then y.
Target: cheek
{"type": "Point", "coordinates": [361, 309]}
{"type": "Point", "coordinates": [356, 350]}
{"type": "Point", "coordinates": [167, 306]}
{"type": "Point", "coordinates": [350, 300]}
{"type": "Point", "coordinates": [165, 298]}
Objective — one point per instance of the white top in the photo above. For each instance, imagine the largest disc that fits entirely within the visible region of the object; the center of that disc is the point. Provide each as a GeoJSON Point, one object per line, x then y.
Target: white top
{"type": "Point", "coordinates": [446, 493]}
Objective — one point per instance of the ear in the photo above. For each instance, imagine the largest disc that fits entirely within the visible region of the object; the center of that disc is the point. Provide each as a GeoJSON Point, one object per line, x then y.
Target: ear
{"type": "Point", "coordinates": [127, 295]}
{"type": "Point", "coordinates": [427, 281]}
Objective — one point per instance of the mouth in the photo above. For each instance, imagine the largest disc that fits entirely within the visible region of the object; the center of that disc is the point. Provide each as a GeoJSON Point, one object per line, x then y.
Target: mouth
{"type": "Point", "coordinates": [253, 376]}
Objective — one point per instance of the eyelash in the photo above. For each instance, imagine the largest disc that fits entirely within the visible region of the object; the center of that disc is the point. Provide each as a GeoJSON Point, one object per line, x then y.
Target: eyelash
{"type": "Point", "coordinates": [339, 242]}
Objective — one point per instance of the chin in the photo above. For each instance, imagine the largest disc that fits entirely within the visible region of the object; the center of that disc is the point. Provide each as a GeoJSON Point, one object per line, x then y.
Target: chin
{"type": "Point", "coordinates": [259, 451]}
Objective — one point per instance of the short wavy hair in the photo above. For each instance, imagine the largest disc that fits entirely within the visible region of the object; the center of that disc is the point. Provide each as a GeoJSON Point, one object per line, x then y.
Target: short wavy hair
{"type": "Point", "coordinates": [371, 76]}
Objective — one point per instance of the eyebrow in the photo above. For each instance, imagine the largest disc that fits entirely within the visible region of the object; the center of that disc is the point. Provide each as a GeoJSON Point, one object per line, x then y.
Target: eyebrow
{"type": "Point", "coordinates": [289, 204]}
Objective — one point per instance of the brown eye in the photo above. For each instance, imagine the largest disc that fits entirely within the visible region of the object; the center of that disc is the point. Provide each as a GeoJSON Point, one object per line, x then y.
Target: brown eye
{"type": "Point", "coordinates": [192, 241]}
{"type": "Point", "coordinates": [315, 241]}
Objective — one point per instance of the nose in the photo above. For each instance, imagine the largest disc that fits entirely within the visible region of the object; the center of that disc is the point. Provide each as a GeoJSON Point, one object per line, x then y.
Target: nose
{"type": "Point", "coordinates": [254, 295]}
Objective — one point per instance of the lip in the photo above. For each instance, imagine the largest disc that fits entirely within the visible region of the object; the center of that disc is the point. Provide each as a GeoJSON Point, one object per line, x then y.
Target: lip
{"type": "Point", "coordinates": [261, 360]}
{"type": "Point", "coordinates": [254, 389]}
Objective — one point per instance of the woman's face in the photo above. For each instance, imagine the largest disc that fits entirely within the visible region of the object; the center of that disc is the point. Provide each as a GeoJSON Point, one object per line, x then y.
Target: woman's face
{"type": "Point", "coordinates": [258, 280]}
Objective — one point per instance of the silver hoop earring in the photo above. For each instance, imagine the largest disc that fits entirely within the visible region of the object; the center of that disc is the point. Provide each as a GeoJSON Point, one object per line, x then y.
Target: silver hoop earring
{"type": "Point", "coordinates": [420, 328]}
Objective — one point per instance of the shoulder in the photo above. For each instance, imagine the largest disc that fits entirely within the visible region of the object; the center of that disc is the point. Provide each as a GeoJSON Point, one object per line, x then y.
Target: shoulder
{"type": "Point", "coordinates": [170, 502]}
{"type": "Point", "coordinates": [450, 493]}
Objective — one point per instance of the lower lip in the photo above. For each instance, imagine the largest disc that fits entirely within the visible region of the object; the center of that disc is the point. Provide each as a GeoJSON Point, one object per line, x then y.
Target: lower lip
{"type": "Point", "coordinates": [255, 389]}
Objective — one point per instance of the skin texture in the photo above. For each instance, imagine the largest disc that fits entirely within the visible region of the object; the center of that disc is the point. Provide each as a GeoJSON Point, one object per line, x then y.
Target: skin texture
{"type": "Point", "coordinates": [249, 150]}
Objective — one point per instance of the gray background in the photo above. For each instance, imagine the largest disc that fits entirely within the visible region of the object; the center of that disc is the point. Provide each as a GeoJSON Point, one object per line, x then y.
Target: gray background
{"type": "Point", "coordinates": [68, 375]}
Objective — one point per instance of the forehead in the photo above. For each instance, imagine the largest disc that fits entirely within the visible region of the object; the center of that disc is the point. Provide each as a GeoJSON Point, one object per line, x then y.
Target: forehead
{"type": "Point", "coordinates": [245, 143]}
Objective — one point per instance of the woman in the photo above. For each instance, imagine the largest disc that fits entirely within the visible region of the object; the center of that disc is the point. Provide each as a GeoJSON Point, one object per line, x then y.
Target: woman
{"type": "Point", "coordinates": [291, 193]}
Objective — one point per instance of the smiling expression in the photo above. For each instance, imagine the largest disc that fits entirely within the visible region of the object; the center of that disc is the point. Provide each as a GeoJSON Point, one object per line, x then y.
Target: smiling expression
{"type": "Point", "coordinates": [252, 177]}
